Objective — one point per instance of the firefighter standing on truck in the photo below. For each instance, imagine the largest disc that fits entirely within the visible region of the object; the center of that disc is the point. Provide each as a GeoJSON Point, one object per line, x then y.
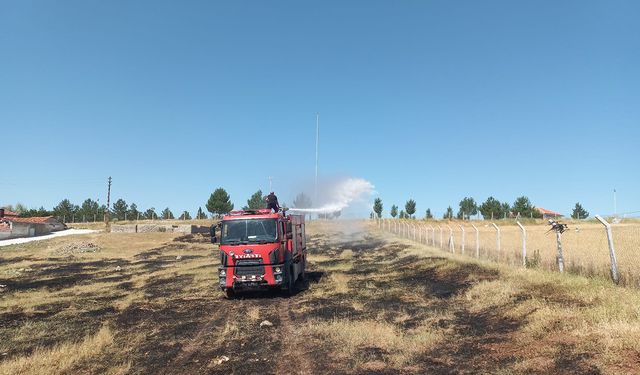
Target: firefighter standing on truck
{"type": "Point", "coordinates": [272, 202]}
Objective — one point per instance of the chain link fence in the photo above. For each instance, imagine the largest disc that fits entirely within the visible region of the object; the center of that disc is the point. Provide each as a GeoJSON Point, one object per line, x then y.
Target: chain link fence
{"type": "Point", "coordinates": [585, 247]}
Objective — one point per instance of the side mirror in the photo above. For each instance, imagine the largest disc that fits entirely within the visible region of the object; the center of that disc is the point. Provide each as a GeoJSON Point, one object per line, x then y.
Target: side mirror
{"type": "Point", "coordinates": [212, 231]}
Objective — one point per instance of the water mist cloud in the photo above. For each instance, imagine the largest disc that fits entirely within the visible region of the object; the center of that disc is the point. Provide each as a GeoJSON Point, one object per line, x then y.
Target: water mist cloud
{"type": "Point", "coordinates": [340, 195]}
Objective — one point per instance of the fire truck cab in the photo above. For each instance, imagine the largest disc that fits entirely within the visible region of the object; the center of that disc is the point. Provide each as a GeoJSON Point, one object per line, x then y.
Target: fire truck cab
{"type": "Point", "coordinates": [260, 249]}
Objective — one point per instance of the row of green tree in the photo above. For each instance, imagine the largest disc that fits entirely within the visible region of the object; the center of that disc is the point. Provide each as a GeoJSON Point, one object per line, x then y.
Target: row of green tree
{"type": "Point", "coordinates": [219, 203]}
{"type": "Point", "coordinates": [489, 209]}
{"type": "Point", "coordinates": [91, 210]}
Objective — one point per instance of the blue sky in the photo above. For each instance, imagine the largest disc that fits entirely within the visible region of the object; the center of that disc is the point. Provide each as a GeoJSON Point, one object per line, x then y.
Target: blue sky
{"type": "Point", "coordinates": [428, 100]}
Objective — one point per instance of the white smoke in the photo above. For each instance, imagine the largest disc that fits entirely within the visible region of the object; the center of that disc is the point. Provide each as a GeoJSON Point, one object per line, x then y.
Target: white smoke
{"type": "Point", "coordinates": [341, 195]}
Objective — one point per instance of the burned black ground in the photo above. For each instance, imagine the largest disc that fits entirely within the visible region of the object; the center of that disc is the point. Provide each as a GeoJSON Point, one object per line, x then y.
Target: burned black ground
{"type": "Point", "coordinates": [178, 321]}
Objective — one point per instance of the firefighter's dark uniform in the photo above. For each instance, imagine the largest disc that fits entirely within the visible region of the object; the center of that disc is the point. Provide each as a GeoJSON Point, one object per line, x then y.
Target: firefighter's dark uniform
{"type": "Point", "coordinates": [272, 202]}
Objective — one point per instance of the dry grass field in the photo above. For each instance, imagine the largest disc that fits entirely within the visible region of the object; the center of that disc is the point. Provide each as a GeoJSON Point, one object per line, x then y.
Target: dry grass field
{"type": "Point", "coordinates": [585, 246]}
{"type": "Point", "coordinates": [373, 303]}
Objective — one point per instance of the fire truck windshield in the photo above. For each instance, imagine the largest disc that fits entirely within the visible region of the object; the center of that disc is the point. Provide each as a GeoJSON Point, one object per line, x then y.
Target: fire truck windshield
{"type": "Point", "coordinates": [248, 231]}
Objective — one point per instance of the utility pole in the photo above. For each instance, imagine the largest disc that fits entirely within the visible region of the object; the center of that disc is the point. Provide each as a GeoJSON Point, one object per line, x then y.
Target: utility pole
{"type": "Point", "coordinates": [106, 213]}
{"type": "Point", "coordinates": [615, 204]}
{"type": "Point", "coordinates": [317, 140]}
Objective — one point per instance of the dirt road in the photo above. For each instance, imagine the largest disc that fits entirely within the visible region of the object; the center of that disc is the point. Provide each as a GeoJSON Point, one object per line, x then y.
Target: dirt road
{"type": "Point", "coordinates": [372, 304]}
{"type": "Point", "coordinates": [68, 232]}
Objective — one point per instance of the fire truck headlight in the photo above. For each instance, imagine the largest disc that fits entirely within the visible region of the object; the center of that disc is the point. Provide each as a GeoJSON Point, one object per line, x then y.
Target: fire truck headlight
{"type": "Point", "coordinates": [278, 278]}
{"type": "Point", "coordinates": [223, 273]}
{"type": "Point", "coordinates": [277, 270]}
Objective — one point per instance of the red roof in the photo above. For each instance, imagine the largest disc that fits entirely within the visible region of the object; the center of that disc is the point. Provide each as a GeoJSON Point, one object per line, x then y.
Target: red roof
{"type": "Point", "coordinates": [10, 213]}
{"type": "Point", "coordinates": [544, 211]}
{"type": "Point", "coordinates": [32, 220]}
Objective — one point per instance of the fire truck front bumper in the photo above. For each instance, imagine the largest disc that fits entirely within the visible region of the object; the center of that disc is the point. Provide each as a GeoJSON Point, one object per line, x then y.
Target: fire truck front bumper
{"type": "Point", "coordinates": [245, 278]}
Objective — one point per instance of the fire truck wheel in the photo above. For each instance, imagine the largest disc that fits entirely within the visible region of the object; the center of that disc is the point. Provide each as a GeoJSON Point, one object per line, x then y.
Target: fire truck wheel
{"type": "Point", "coordinates": [229, 293]}
{"type": "Point", "coordinates": [303, 273]}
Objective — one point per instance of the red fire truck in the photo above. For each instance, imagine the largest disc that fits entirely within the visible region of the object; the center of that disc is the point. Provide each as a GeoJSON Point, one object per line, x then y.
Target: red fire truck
{"type": "Point", "coordinates": [260, 249]}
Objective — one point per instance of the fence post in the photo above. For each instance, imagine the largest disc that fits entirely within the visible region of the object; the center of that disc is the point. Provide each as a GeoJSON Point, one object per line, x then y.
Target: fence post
{"type": "Point", "coordinates": [612, 252]}
{"type": "Point", "coordinates": [420, 235]}
{"type": "Point", "coordinates": [497, 236]}
{"type": "Point", "coordinates": [524, 244]}
{"type": "Point", "coordinates": [477, 240]}
{"type": "Point", "coordinates": [451, 245]}
{"type": "Point", "coordinates": [559, 256]}
{"type": "Point", "coordinates": [433, 235]}
{"type": "Point", "coordinates": [462, 244]}
{"type": "Point", "coordinates": [440, 228]}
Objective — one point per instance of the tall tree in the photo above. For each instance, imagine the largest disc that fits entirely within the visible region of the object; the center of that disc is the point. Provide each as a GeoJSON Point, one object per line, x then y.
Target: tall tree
{"type": "Point", "coordinates": [302, 201]}
{"type": "Point", "coordinates": [150, 214]}
{"type": "Point", "coordinates": [167, 214]}
{"type": "Point", "coordinates": [101, 212]}
{"type": "Point", "coordinates": [89, 210]}
{"type": "Point", "coordinates": [394, 211]}
{"type": "Point", "coordinates": [523, 206]}
{"type": "Point", "coordinates": [377, 207]}
{"type": "Point", "coordinates": [428, 214]}
{"type": "Point", "coordinates": [491, 209]}
{"type": "Point", "coordinates": [20, 209]}
{"type": "Point", "coordinates": [410, 208]}
{"type": "Point", "coordinates": [32, 212]}
{"type": "Point", "coordinates": [120, 208]}
{"type": "Point", "coordinates": [219, 202]}
{"type": "Point", "coordinates": [133, 213]}
{"type": "Point", "coordinates": [185, 215]}
{"type": "Point", "coordinates": [403, 215]}
{"type": "Point", "coordinates": [505, 210]}
{"type": "Point", "coordinates": [65, 210]}
{"type": "Point", "coordinates": [579, 212]}
{"type": "Point", "coordinates": [255, 202]}
{"type": "Point", "coordinates": [448, 214]}
{"type": "Point", "coordinates": [468, 208]}
{"type": "Point", "coordinates": [201, 215]}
